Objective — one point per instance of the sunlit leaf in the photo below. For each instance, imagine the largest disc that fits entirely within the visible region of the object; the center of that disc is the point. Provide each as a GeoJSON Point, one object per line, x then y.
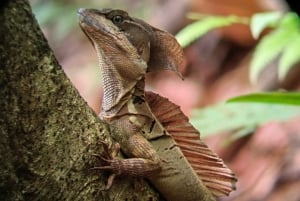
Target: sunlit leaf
{"type": "Point", "coordinates": [260, 21]}
{"type": "Point", "coordinates": [236, 116]}
{"type": "Point", "coordinates": [267, 50]}
{"type": "Point", "coordinates": [288, 98]}
{"type": "Point", "coordinates": [290, 56]}
{"type": "Point", "coordinates": [290, 20]}
{"type": "Point", "coordinates": [197, 29]}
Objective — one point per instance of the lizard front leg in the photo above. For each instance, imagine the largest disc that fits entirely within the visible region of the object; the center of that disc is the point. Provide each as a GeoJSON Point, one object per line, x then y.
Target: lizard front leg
{"type": "Point", "coordinates": [144, 160]}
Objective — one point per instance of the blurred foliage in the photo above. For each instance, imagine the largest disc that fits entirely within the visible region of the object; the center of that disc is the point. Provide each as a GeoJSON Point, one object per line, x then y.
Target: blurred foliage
{"type": "Point", "coordinates": [261, 21]}
{"type": "Point", "coordinates": [207, 23]}
{"type": "Point", "coordinates": [287, 98]}
{"type": "Point", "coordinates": [284, 38]}
{"type": "Point", "coordinates": [242, 118]}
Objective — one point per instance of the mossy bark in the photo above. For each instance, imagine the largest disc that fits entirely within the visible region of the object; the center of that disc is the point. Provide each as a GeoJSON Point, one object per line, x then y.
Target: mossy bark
{"type": "Point", "coordinates": [47, 131]}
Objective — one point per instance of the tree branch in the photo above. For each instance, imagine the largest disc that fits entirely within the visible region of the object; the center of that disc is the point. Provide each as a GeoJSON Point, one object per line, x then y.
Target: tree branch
{"type": "Point", "coordinates": [47, 131]}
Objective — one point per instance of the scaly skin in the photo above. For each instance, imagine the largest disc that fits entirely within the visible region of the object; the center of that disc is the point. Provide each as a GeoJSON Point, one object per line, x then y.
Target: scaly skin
{"type": "Point", "coordinates": [128, 48]}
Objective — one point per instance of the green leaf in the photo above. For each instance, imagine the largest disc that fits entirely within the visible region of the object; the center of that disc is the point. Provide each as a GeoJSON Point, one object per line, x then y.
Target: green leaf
{"type": "Point", "coordinates": [197, 29]}
{"type": "Point", "coordinates": [288, 98]}
{"type": "Point", "coordinates": [267, 50]}
{"type": "Point", "coordinates": [260, 21]}
{"type": "Point", "coordinates": [290, 20]}
{"type": "Point", "coordinates": [290, 56]}
{"type": "Point", "coordinates": [238, 116]}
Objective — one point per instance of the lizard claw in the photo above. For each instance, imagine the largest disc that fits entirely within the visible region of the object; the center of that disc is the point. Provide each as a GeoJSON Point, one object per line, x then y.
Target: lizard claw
{"type": "Point", "coordinates": [110, 154]}
{"type": "Point", "coordinates": [110, 181]}
{"type": "Point", "coordinates": [105, 147]}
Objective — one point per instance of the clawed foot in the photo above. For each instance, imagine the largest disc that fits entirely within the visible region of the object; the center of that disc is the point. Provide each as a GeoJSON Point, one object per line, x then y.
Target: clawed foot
{"type": "Point", "coordinates": [107, 157]}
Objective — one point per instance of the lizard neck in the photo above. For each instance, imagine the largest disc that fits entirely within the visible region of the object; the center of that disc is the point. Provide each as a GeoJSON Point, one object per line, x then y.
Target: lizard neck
{"type": "Point", "coordinates": [126, 104]}
{"type": "Point", "coordinates": [118, 92]}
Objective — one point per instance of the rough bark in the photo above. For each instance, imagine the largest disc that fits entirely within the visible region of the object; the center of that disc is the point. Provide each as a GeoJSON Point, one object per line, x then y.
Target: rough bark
{"type": "Point", "coordinates": [47, 131]}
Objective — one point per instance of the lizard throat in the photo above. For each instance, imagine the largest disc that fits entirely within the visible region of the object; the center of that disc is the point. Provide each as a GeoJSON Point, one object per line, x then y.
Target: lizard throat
{"type": "Point", "coordinates": [125, 104]}
{"type": "Point", "coordinates": [117, 92]}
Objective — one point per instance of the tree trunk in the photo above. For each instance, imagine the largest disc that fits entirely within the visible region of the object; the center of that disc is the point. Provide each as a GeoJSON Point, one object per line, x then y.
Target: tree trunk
{"type": "Point", "coordinates": [47, 131]}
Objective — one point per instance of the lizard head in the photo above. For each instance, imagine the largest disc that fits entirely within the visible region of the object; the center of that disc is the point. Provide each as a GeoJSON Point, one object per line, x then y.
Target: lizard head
{"type": "Point", "coordinates": [127, 59]}
{"type": "Point", "coordinates": [115, 34]}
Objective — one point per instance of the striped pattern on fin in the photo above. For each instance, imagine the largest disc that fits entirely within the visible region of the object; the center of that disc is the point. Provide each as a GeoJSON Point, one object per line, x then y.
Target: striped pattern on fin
{"type": "Point", "coordinates": [218, 178]}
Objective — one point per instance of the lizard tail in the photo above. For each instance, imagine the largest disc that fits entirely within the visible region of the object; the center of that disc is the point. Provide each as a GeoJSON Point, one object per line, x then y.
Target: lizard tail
{"type": "Point", "coordinates": [209, 167]}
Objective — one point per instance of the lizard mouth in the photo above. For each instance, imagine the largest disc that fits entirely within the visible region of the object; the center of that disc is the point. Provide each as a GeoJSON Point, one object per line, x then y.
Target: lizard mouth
{"type": "Point", "coordinates": [89, 23]}
{"type": "Point", "coordinates": [96, 27]}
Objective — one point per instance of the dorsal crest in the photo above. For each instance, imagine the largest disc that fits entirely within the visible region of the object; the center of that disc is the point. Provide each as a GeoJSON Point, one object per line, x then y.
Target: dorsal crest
{"type": "Point", "coordinates": [218, 178]}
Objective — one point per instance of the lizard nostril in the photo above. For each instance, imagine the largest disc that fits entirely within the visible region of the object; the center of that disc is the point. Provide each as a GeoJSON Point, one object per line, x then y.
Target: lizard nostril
{"type": "Point", "coordinates": [80, 11]}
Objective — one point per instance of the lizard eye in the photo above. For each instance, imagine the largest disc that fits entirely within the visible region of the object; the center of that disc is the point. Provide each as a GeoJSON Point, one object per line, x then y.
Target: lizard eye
{"type": "Point", "coordinates": [117, 19]}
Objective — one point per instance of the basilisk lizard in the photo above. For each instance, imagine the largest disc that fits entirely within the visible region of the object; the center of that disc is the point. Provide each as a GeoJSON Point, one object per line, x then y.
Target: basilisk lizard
{"type": "Point", "coordinates": [153, 132]}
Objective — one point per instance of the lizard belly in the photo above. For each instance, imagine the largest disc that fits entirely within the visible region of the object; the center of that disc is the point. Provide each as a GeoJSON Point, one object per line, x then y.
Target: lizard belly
{"type": "Point", "coordinates": [177, 179]}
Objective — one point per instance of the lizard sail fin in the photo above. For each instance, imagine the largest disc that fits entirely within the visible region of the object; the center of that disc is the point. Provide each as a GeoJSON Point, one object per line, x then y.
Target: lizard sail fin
{"type": "Point", "coordinates": [209, 167]}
